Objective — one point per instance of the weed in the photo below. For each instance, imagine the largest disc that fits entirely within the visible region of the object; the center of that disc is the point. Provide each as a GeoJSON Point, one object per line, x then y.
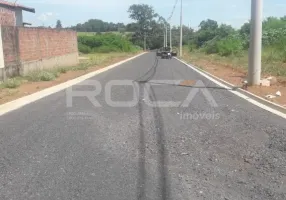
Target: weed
{"type": "Point", "coordinates": [12, 83]}
{"type": "Point", "coordinates": [42, 76]}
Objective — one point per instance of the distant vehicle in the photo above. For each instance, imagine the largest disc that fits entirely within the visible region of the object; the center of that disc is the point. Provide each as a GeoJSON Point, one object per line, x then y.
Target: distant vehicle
{"type": "Point", "coordinates": [165, 52]}
{"type": "Point", "coordinates": [166, 55]}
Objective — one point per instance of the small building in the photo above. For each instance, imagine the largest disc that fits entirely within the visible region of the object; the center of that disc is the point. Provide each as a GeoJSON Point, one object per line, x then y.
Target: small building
{"type": "Point", "coordinates": [11, 14]}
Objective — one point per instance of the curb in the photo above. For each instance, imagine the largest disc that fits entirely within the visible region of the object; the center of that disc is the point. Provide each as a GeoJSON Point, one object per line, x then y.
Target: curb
{"type": "Point", "coordinates": [18, 103]}
{"type": "Point", "coordinates": [281, 111]}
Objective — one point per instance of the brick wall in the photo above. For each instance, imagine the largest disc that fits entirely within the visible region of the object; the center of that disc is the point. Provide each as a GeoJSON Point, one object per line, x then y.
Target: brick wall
{"type": "Point", "coordinates": [7, 17]}
{"type": "Point", "coordinates": [10, 49]}
{"type": "Point", "coordinates": [27, 49]}
{"type": "Point", "coordinates": [39, 43]}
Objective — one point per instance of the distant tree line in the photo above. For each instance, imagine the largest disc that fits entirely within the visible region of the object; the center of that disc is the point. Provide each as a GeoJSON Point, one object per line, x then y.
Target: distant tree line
{"type": "Point", "coordinates": [211, 37]}
{"type": "Point", "coordinates": [222, 39]}
{"type": "Point", "coordinates": [146, 24]}
{"type": "Point", "coordinates": [96, 25]}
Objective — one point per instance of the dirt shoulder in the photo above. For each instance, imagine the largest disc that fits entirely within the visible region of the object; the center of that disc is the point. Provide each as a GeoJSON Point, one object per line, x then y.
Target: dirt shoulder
{"type": "Point", "coordinates": [29, 87]}
{"type": "Point", "coordinates": [236, 75]}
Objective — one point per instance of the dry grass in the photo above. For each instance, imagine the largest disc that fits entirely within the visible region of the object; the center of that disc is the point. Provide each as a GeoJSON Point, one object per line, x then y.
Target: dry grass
{"type": "Point", "coordinates": [238, 62]}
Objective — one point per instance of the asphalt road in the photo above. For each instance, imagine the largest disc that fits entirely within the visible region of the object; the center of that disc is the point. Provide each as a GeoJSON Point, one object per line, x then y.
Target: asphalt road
{"type": "Point", "coordinates": [235, 151]}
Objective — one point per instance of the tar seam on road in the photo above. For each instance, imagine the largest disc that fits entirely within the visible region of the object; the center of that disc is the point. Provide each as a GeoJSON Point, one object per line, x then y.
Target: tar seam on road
{"type": "Point", "coordinates": [162, 152]}
{"type": "Point", "coordinates": [160, 135]}
{"type": "Point", "coordinates": [141, 181]}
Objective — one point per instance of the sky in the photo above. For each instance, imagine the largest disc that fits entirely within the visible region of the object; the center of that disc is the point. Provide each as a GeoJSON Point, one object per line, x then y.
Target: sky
{"type": "Point", "coordinates": [72, 12]}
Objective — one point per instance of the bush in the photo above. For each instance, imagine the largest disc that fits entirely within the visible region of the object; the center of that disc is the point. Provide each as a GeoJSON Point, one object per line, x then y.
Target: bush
{"type": "Point", "coordinates": [104, 43]}
{"type": "Point", "coordinates": [12, 83]}
{"type": "Point", "coordinates": [106, 49]}
{"type": "Point", "coordinates": [211, 47]}
{"type": "Point", "coordinates": [192, 46]}
{"type": "Point", "coordinates": [230, 45]}
{"type": "Point", "coordinates": [84, 48]}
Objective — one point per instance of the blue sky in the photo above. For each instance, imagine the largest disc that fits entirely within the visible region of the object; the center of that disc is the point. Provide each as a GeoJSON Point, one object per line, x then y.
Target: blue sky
{"type": "Point", "coordinates": [71, 12]}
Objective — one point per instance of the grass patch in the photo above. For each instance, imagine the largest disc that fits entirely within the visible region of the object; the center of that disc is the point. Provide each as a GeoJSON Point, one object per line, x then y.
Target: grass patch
{"type": "Point", "coordinates": [62, 70]}
{"type": "Point", "coordinates": [99, 59]}
{"type": "Point", "coordinates": [37, 76]}
{"type": "Point", "coordinates": [81, 66]}
{"type": "Point", "coordinates": [11, 83]}
{"type": "Point", "coordinates": [272, 65]}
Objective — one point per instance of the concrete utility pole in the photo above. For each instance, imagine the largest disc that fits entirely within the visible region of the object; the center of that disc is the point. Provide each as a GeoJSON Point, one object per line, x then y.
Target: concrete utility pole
{"type": "Point", "coordinates": [166, 27]}
{"type": "Point", "coordinates": [254, 60]}
{"type": "Point", "coordinates": [164, 39]}
{"type": "Point", "coordinates": [181, 31]}
{"type": "Point", "coordinates": [145, 41]}
{"type": "Point", "coordinates": [171, 36]}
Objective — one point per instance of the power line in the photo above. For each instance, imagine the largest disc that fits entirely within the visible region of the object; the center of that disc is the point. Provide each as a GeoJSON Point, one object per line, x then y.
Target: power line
{"type": "Point", "coordinates": [172, 13]}
{"type": "Point", "coordinates": [169, 19]}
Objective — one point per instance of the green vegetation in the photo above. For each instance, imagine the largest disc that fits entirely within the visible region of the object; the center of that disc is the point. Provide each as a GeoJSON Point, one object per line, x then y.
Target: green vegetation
{"type": "Point", "coordinates": [105, 43]}
{"type": "Point", "coordinates": [225, 40]}
{"type": "Point", "coordinates": [147, 25]}
{"type": "Point", "coordinates": [230, 46]}
{"type": "Point", "coordinates": [11, 83]}
{"type": "Point", "coordinates": [97, 26]}
{"type": "Point", "coordinates": [94, 33]}
{"type": "Point", "coordinates": [45, 75]}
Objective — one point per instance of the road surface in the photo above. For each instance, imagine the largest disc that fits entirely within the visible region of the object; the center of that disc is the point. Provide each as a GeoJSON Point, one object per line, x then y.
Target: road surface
{"type": "Point", "coordinates": [235, 151]}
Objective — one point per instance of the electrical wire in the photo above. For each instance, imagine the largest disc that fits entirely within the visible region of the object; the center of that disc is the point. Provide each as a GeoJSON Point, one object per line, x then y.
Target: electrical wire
{"type": "Point", "coordinates": [172, 13]}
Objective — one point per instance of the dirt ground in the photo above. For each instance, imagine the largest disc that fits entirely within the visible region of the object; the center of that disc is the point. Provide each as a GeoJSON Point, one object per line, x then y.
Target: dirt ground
{"type": "Point", "coordinates": [27, 88]}
{"type": "Point", "coordinates": [236, 77]}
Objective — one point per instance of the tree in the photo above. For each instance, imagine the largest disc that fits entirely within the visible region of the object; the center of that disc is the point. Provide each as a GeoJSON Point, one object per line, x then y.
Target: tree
{"type": "Point", "coordinates": [96, 25]}
{"type": "Point", "coordinates": [144, 15]}
{"type": "Point", "coordinates": [209, 24]}
{"type": "Point", "coordinates": [274, 23]}
{"type": "Point", "coordinates": [59, 24]}
{"type": "Point", "coordinates": [224, 31]}
{"type": "Point", "coordinates": [132, 27]}
{"type": "Point", "coordinates": [207, 32]}
{"type": "Point", "coordinates": [245, 29]}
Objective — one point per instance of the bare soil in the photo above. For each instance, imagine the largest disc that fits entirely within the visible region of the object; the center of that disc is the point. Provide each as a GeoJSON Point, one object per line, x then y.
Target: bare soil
{"type": "Point", "coordinates": [236, 77]}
